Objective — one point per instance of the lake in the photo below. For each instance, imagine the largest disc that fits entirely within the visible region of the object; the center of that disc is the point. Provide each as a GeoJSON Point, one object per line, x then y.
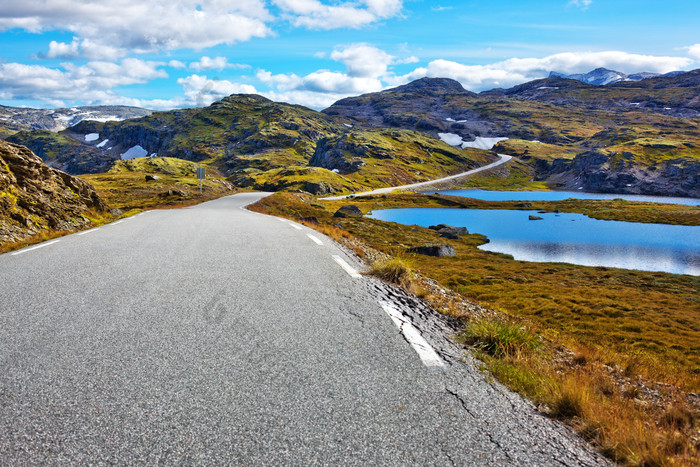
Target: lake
{"type": "Point", "coordinates": [569, 238]}
{"type": "Point", "coordinates": [488, 195]}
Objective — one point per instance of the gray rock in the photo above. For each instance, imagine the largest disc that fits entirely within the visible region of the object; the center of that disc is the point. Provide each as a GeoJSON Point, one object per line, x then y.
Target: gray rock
{"type": "Point", "coordinates": [434, 249]}
{"type": "Point", "coordinates": [179, 193]}
{"type": "Point", "coordinates": [449, 231]}
{"type": "Point", "coordinates": [150, 177]}
{"type": "Point", "coordinates": [534, 218]}
{"type": "Point", "coordinates": [116, 212]}
{"type": "Point", "coordinates": [349, 210]}
{"type": "Point", "coordinates": [318, 188]}
{"type": "Point", "coordinates": [309, 220]}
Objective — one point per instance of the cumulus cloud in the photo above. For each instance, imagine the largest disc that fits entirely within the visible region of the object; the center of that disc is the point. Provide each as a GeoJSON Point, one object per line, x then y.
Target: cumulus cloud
{"type": "Point", "coordinates": [139, 25]}
{"type": "Point", "coordinates": [365, 67]}
{"type": "Point", "coordinates": [694, 51]}
{"type": "Point", "coordinates": [314, 14]}
{"type": "Point", "coordinates": [519, 70]}
{"type": "Point", "coordinates": [201, 91]}
{"type": "Point", "coordinates": [177, 64]}
{"type": "Point", "coordinates": [85, 48]}
{"type": "Point", "coordinates": [322, 81]}
{"type": "Point", "coordinates": [89, 83]}
{"type": "Point", "coordinates": [313, 100]}
{"type": "Point", "coordinates": [63, 50]}
{"type": "Point", "coordinates": [363, 61]}
{"type": "Point", "coordinates": [207, 63]}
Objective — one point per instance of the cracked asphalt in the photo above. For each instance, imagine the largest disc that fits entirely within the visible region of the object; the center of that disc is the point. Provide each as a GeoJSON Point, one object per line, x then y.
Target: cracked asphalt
{"type": "Point", "coordinates": [214, 335]}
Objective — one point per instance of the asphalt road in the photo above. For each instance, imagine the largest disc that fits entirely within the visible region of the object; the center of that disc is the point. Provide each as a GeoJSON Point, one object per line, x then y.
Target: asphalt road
{"type": "Point", "coordinates": [214, 335]}
{"type": "Point", "coordinates": [502, 159]}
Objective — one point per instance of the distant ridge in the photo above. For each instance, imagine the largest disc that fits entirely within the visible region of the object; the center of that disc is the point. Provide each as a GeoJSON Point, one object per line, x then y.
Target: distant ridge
{"type": "Point", "coordinates": [603, 76]}
{"type": "Point", "coordinates": [60, 119]}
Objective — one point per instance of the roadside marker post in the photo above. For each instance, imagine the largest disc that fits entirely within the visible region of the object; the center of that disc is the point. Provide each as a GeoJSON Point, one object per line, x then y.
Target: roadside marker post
{"type": "Point", "coordinates": [201, 174]}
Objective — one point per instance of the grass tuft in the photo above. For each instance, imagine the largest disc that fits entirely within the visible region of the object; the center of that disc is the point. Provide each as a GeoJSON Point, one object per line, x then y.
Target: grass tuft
{"type": "Point", "coordinates": [571, 399]}
{"type": "Point", "coordinates": [500, 338]}
{"type": "Point", "coordinates": [394, 270]}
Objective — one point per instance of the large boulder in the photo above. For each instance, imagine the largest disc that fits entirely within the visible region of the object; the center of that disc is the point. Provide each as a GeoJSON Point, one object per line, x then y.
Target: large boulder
{"type": "Point", "coordinates": [434, 249]}
{"type": "Point", "coordinates": [349, 210]}
{"type": "Point", "coordinates": [449, 231]}
{"type": "Point", "coordinates": [318, 188]}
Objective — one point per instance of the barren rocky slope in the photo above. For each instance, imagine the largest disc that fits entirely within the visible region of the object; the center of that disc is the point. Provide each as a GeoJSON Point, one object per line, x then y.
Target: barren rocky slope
{"type": "Point", "coordinates": [35, 197]}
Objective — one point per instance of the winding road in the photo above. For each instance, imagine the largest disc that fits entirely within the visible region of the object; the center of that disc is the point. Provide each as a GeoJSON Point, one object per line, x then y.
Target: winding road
{"type": "Point", "coordinates": [503, 158]}
{"type": "Point", "coordinates": [214, 335]}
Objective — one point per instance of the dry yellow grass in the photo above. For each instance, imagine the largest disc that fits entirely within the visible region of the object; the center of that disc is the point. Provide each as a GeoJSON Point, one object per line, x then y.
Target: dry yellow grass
{"type": "Point", "coordinates": [619, 359]}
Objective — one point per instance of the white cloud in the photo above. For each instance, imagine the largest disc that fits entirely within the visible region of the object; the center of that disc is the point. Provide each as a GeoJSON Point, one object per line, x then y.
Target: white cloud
{"type": "Point", "coordinates": [363, 61]}
{"type": "Point", "coordinates": [139, 25]}
{"type": "Point", "coordinates": [407, 60]}
{"type": "Point", "coordinates": [63, 50]}
{"type": "Point", "coordinates": [177, 64]}
{"type": "Point", "coordinates": [582, 4]}
{"type": "Point", "coordinates": [207, 63]}
{"type": "Point", "coordinates": [89, 83]}
{"type": "Point", "coordinates": [694, 51]}
{"type": "Point", "coordinates": [201, 91]}
{"type": "Point", "coordinates": [313, 100]}
{"type": "Point", "coordinates": [314, 14]}
{"type": "Point", "coordinates": [519, 70]}
{"type": "Point", "coordinates": [86, 49]}
{"type": "Point", "coordinates": [322, 81]}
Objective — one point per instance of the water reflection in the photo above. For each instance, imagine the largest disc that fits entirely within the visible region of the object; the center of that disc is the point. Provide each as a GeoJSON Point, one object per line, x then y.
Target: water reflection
{"type": "Point", "coordinates": [487, 195]}
{"type": "Point", "coordinates": [570, 238]}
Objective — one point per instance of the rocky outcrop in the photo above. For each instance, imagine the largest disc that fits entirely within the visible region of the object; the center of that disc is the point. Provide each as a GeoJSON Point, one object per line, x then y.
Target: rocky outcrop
{"type": "Point", "coordinates": [339, 154]}
{"type": "Point", "coordinates": [601, 173]}
{"type": "Point", "coordinates": [65, 153]}
{"type": "Point", "coordinates": [434, 249]}
{"type": "Point", "coordinates": [35, 197]}
{"type": "Point", "coordinates": [349, 210]}
{"type": "Point", "coordinates": [449, 231]}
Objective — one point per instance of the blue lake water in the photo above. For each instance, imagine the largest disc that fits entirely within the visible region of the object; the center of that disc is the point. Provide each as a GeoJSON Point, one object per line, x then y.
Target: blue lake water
{"type": "Point", "coordinates": [488, 195]}
{"type": "Point", "coordinates": [569, 238]}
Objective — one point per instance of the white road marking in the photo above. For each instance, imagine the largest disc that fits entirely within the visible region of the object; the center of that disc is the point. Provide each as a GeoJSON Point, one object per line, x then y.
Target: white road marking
{"type": "Point", "coordinates": [347, 267]}
{"type": "Point", "coordinates": [426, 353]}
{"type": "Point", "coordinates": [88, 231]}
{"type": "Point", "coordinates": [284, 221]}
{"type": "Point", "coordinates": [118, 222]}
{"type": "Point", "coordinates": [34, 248]}
{"type": "Point", "coordinates": [295, 226]}
{"type": "Point", "coordinates": [316, 240]}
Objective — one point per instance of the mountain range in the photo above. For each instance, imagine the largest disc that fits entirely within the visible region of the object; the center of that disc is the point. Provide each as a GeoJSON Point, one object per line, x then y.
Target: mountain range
{"type": "Point", "coordinates": [631, 136]}
{"type": "Point", "coordinates": [23, 118]}
{"type": "Point", "coordinates": [603, 76]}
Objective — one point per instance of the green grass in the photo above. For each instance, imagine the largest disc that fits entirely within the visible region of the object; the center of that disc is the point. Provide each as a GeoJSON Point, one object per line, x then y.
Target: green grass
{"type": "Point", "coordinates": [499, 337]}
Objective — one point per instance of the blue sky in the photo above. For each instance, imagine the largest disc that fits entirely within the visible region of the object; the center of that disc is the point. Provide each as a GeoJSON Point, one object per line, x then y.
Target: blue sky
{"type": "Point", "coordinates": [164, 54]}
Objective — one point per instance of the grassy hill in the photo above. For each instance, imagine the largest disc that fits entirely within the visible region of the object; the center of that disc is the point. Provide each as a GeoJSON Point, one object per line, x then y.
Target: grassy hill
{"type": "Point", "coordinates": [563, 132]}
{"type": "Point", "coordinates": [261, 144]}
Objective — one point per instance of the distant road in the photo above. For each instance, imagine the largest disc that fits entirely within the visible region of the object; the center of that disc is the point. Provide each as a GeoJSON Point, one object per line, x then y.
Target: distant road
{"type": "Point", "coordinates": [502, 160]}
{"type": "Point", "coordinates": [215, 335]}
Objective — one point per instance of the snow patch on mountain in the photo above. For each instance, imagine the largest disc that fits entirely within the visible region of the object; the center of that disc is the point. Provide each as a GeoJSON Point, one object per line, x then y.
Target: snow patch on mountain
{"type": "Point", "coordinates": [134, 152]}
{"type": "Point", "coordinates": [482, 143]}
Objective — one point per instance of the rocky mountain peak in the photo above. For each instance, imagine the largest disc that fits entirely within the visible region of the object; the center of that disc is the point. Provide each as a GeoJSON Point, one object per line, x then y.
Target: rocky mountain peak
{"type": "Point", "coordinates": [425, 85]}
